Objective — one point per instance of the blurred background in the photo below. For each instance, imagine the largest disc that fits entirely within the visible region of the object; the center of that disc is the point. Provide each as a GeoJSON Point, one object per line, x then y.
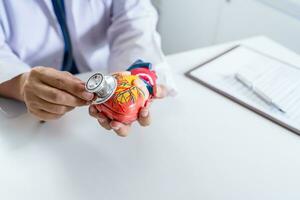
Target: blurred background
{"type": "Point", "coordinates": [189, 24]}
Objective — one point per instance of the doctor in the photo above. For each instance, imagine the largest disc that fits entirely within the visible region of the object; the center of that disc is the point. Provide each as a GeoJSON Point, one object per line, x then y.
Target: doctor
{"type": "Point", "coordinates": [43, 43]}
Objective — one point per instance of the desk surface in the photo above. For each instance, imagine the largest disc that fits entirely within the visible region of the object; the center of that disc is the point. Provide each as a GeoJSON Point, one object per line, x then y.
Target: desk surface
{"type": "Point", "coordinates": [217, 150]}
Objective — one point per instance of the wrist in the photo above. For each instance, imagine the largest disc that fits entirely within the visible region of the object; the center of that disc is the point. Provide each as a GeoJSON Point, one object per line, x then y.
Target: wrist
{"type": "Point", "coordinates": [14, 88]}
{"type": "Point", "coordinates": [20, 86]}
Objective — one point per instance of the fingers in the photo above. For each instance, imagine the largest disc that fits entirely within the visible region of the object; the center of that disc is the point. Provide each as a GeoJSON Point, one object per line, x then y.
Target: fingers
{"type": "Point", "coordinates": [122, 73]}
{"type": "Point", "coordinates": [144, 117]}
{"type": "Point", "coordinates": [48, 93]}
{"type": "Point", "coordinates": [50, 107]}
{"type": "Point", "coordinates": [57, 96]}
{"type": "Point", "coordinates": [63, 81]}
{"type": "Point", "coordinates": [102, 119]}
{"type": "Point", "coordinates": [161, 91]}
{"type": "Point", "coordinates": [119, 128]}
{"type": "Point", "coordinates": [93, 111]}
{"type": "Point", "coordinates": [44, 110]}
{"type": "Point", "coordinates": [44, 115]}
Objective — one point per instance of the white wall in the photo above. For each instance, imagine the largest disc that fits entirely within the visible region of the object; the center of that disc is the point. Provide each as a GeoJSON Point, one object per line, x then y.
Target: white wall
{"type": "Point", "coordinates": [188, 24]}
{"type": "Point", "coordinates": [244, 18]}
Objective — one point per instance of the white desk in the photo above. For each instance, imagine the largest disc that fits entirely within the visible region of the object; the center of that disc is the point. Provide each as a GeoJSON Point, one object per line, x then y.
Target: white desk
{"type": "Point", "coordinates": [199, 146]}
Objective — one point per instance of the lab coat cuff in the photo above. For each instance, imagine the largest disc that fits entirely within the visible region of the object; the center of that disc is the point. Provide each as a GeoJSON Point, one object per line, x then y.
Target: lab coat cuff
{"type": "Point", "coordinates": [165, 77]}
{"type": "Point", "coordinates": [9, 72]}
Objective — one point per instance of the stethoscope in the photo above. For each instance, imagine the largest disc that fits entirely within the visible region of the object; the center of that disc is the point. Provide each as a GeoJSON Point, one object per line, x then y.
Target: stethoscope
{"type": "Point", "coordinates": [103, 86]}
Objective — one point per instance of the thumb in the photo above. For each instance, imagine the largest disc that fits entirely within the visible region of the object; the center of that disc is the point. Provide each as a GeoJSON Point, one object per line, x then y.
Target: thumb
{"type": "Point", "coordinates": [161, 91]}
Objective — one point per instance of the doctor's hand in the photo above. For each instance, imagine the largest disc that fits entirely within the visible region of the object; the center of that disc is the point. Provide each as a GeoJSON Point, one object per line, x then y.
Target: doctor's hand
{"type": "Point", "coordinates": [49, 93]}
{"type": "Point", "coordinates": [121, 129]}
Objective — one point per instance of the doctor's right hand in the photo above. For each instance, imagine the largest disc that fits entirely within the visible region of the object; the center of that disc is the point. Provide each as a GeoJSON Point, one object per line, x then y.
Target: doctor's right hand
{"type": "Point", "coordinates": [49, 93]}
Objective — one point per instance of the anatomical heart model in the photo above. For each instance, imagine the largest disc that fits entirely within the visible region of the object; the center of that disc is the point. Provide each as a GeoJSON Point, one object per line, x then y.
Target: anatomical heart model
{"type": "Point", "coordinates": [120, 96]}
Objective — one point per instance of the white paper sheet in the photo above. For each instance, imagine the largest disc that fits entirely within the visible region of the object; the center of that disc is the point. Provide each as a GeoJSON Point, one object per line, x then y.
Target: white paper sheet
{"type": "Point", "coordinates": [279, 80]}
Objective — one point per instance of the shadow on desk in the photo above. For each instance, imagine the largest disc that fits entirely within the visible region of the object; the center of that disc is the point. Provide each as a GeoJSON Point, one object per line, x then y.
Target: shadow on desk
{"type": "Point", "coordinates": [11, 108]}
{"type": "Point", "coordinates": [18, 132]}
{"type": "Point", "coordinates": [17, 129]}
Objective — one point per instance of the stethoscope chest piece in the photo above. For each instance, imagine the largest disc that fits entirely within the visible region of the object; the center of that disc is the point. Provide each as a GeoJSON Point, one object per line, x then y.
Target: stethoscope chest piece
{"type": "Point", "coordinates": [103, 86]}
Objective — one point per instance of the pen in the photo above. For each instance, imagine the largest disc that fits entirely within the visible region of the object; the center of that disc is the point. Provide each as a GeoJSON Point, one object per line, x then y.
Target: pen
{"type": "Point", "coordinates": [258, 92]}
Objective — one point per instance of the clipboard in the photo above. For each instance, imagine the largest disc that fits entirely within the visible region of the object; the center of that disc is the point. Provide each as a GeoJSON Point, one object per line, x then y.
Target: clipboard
{"type": "Point", "coordinates": [203, 68]}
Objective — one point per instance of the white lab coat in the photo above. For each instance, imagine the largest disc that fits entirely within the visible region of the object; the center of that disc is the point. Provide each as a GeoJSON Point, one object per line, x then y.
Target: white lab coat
{"type": "Point", "coordinates": [105, 34]}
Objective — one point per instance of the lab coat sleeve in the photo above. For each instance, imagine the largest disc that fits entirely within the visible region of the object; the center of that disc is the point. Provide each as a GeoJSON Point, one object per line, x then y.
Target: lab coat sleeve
{"type": "Point", "coordinates": [132, 35]}
{"type": "Point", "coordinates": [10, 65]}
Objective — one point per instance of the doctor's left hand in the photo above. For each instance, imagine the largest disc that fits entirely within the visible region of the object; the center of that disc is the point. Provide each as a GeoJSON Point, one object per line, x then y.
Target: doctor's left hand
{"type": "Point", "coordinates": [121, 129]}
